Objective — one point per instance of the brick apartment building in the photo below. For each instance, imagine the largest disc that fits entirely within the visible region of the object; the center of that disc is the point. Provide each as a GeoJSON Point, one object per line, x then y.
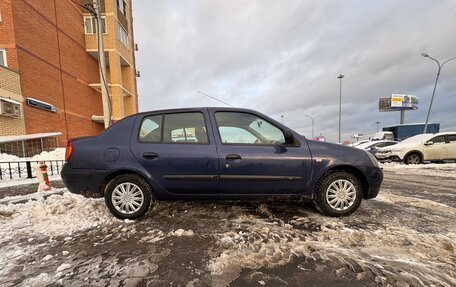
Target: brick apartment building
{"type": "Point", "coordinates": [49, 76]}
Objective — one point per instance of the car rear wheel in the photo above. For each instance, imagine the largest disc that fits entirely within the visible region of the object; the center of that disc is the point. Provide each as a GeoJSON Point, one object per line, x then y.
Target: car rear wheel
{"type": "Point", "coordinates": [338, 194]}
{"type": "Point", "coordinates": [413, 158]}
{"type": "Point", "coordinates": [128, 196]}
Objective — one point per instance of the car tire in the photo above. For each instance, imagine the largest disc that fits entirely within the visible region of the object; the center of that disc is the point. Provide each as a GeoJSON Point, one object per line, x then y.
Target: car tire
{"type": "Point", "coordinates": [413, 158]}
{"type": "Point", "coordinates": [128, 196]}
{"type": "Point", "coordinates": [338, 194]}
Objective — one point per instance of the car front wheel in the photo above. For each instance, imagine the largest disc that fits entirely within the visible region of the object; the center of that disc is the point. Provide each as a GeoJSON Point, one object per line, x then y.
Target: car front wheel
{"type": "Point", "coordinates": [413, 158]}
{"type": "Point", "coordinates": [338, 194]}
{"type": "Point", "coordinates": [128, 196]}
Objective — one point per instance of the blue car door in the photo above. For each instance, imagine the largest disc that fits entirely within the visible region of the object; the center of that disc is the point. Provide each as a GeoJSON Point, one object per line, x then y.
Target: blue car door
{"type": "Point", "coordinates": [254, 158]}
{"type": "Point", "coordinates": [178, 151]}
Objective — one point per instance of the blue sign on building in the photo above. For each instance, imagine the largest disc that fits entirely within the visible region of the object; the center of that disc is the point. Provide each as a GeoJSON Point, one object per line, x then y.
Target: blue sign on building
{"type": "Point", "coordinates": [41, 105]}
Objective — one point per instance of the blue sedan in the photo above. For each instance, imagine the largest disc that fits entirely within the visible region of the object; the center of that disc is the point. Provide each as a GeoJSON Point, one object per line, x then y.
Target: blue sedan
{"type": "Point", "coordinates": [217, 154]}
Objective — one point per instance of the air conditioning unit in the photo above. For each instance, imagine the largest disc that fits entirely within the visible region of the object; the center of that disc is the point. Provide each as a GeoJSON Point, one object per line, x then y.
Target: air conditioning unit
{"type": "Point", "coordinates": [10, 108]}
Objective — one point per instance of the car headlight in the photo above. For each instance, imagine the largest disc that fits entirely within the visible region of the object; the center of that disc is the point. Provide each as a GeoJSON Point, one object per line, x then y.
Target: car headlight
{"type": "Point", "coordinates": [373, 159]}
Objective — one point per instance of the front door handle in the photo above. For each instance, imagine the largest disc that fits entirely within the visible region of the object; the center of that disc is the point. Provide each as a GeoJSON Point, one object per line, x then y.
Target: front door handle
{"type": "Point", "coordinates": [149, 155]}
{"type": "Point", "coordinates": [233, 157]}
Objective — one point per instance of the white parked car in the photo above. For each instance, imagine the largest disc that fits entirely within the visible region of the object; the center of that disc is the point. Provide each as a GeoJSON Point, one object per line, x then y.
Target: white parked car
{"type": "Point", "coordinates": [424, 147]}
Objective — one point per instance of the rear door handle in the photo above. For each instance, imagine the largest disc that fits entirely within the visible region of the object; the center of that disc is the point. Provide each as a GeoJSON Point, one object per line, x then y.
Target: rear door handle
{"type": "Point", "coordinates": [232, 156]}
{"type": "Point", "coordinates": [149, 155]}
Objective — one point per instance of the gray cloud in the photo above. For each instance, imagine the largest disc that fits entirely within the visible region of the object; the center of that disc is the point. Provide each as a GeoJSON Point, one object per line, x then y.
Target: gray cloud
{"type": "Point", "coordinates": [283, 57]}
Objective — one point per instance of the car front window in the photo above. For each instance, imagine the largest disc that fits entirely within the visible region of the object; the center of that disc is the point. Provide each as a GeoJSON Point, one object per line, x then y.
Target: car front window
{"type": "Point", "coordinates": [245, 128]}
{"type": "Point", "coordinates": [439, 139]}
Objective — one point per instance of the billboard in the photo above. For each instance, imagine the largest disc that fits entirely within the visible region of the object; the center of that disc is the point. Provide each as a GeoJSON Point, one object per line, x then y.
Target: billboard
{"type": "Point", "coordinates": [398, 102]}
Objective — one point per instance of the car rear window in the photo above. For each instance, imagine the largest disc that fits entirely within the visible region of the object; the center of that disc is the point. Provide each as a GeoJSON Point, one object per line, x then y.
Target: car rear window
{"type": "Point", "coordinates": [185, 128]}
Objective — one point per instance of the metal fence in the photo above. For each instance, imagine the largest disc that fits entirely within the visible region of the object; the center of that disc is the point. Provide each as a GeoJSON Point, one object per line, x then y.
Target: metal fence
{"type": "Point", "coordinates": [27, 168]}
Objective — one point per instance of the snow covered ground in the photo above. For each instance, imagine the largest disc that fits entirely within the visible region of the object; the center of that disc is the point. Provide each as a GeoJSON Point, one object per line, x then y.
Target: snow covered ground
{"type": "Point", "coordinates": [433, 169]}
{"type": "Point", "coordinates": [405, 237]}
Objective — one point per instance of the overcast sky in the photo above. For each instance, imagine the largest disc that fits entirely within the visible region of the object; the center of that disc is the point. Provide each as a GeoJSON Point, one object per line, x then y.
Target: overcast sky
{"type": "Point", "coordinates": [283, 58]}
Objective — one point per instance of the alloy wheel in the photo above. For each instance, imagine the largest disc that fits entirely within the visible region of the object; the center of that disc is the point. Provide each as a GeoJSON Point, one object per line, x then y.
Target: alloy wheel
{"type": "Point", "coordinates": [413, 159]}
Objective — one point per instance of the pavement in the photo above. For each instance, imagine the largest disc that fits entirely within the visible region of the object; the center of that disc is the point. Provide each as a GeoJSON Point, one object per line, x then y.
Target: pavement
{"type": "Point", "coordinates": [405, 237]}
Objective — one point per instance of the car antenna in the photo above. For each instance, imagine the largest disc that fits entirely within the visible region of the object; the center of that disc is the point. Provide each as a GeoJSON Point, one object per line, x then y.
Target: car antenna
{"type": "Point", "coordinates": [214, 98]}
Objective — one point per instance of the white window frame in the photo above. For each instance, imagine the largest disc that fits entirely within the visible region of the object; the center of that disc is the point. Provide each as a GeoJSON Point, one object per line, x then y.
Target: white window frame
{"type": "Point", "coordinates": [122, 35]}
{"type": "Point", "coordinates": [121, 5]}
{"type": "Point", "coordinates": [5, 62]}
{"type": "Point", "coordinates": [92, 32]}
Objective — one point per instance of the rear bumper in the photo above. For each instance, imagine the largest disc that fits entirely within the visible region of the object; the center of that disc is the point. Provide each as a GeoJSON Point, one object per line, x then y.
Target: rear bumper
{"type": "Point", "coordinates": [374, 182]}
{"type": "Point", "coordinates": [82, 181]}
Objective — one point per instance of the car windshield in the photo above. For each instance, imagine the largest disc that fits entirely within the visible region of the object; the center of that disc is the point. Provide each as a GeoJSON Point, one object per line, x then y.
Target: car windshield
{"type": "Point", "coordinates": [417, 138]}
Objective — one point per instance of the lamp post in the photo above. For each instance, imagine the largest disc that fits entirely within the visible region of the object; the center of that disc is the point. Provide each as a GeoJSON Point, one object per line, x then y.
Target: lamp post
{"type": "Point", "coordinates": [313, 119]}
{"type": "Point", "coordinates": [340, 102]}
{"type": "Point", "coordinates": [435, 85]}
{"type": "Point", "coordinates": [282, 118]}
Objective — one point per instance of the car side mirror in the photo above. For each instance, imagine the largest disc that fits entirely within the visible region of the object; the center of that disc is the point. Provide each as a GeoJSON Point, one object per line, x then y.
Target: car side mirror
{"type": "Point", "coordinates": [289, 138]}
{"type": "Point", "coordinates": [429, 143]}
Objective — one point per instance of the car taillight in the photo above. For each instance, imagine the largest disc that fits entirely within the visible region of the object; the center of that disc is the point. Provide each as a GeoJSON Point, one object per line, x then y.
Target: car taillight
{"type": "Point", "coordinates": [69, 149]}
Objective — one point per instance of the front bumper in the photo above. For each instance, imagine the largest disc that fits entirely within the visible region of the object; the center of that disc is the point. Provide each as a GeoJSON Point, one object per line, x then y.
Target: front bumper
{"type": "Point", "coordinates": [389, 156]}
{"type": "Point", "coordinates": [82, 181]}
{"type": "Point", "coordinates": [374, 183]}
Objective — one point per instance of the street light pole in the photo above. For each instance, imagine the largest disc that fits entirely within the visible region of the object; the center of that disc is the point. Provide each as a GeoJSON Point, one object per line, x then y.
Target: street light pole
{"type": "Point", "coordinates": [435, 85]}
{"type": "Point", "coordinates": [340, 102]}
{"type": "Point", "coordinates": [313, 123]}
{"type": "Point", "coordinates": [282, 118]}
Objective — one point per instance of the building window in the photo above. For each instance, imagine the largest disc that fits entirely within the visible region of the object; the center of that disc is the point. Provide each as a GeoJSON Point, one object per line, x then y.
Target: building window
{"type": "Point", "coordinates": [3, 58]}
{"type": "Point", "coordinates": [90, 25]}
{"type": "Point", "coordinates": [122, 35]}
{"type": "Point", "coordinates": [121, 5]}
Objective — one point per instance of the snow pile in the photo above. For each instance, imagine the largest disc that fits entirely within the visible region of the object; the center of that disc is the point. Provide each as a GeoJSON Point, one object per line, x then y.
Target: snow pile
{"type": "Point", "coordinates": [432, 169]}
{"type": "Point", "coordinates": [8, 157]}
{"type": "Point", "coordinates": [57, 154]}
{"type": "Point", "coordinates": [55, 216]}
{"type": "Point", "coordinates": [41, 221]}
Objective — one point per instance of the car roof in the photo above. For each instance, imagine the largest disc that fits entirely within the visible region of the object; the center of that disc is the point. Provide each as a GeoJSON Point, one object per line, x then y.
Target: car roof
{"type": "Point", "coordinates": [444, 133]}
{"type": "Point", "coordinates": [198, 109]}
